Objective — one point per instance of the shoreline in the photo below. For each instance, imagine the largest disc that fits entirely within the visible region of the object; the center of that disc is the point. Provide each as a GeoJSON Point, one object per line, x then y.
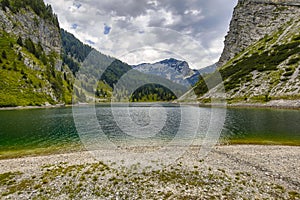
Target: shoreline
{"type": "Point", "coordinates": [274, 104]}
{"type": "Point", "coordinates": [44, 152]}
{"type": "Point", "coordinates": [34, 107]}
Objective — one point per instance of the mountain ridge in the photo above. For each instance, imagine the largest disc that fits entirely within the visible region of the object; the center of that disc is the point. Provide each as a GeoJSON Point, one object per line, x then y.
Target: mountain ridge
{"type": "Point", "coordinates": [266, 69]}
{"type": "Point", "coordinates": [175, 70]}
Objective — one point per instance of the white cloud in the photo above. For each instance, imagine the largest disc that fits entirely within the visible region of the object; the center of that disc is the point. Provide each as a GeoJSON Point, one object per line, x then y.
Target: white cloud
{"type": "Point", "coordinates": [127, 25]}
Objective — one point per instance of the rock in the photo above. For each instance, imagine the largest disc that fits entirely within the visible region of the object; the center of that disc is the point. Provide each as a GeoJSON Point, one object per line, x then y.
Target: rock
{"type": "Point", "coordinates": [28, 25]}
{"type": "Point", "coordinates": [252, 20]}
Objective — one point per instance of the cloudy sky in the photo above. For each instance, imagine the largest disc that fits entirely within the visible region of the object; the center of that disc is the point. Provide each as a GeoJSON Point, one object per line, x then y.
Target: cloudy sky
{"type": "Point", "coordinates": [139, 31]}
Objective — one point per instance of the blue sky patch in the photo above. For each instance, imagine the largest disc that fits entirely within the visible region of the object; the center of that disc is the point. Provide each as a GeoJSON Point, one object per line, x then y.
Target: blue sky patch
{"type": "Point", "coordinates": [90, 42]}
{"type": "Point", "coordinates": [107, 29]}
{"type": "Point", "coordinates": [74, 26]}
{"type": "Point", "coordinates": [77, 5]}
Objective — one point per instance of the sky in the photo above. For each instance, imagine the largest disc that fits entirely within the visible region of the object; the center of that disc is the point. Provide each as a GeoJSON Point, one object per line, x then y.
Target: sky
{"type": "Point", "coordinates": [147, 31]}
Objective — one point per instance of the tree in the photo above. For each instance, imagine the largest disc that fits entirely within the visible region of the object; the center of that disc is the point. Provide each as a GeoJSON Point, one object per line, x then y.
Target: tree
{"type": "Point", "coordinates": [5, 4]}
{"type": "Point", "coordinates": [30, 46]}
{"type": "Point", "coordinates": [4, 56]}
{"type": "Point", "coordinates": [65, 76]}
{"type": "Point", "coordinates": [15, 68]}
{"type": "Point", "coordinates": [39, 50]}
{"type": "Point", "coordinates": [19, 41]}
{"type": "Point", "coordinates": [44, 58]}
{"type": "Point", "coordinates": [20, 57]}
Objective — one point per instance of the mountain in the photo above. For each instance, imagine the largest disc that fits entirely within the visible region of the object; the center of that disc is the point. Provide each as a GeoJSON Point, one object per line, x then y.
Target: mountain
{"type": "Point", "coordinates": [98, 76]}
{"type": "Point", "coordinates": [41, 64]}
{"type": "Point", "coordinates": [30, 64]}
{"type": "Point", "coordinates": [175, 70]}
{"type": "Point", "coordinates": [126, 83]}
{"type": "Point", "coordinates": [261, 58]}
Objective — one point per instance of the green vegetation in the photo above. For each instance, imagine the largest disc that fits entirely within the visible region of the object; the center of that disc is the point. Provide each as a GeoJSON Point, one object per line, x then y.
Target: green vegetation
{"type": "Point", "coordinates": [294, 61]}
{"type": "Point", "coordinates": [31, 76]}
{"type": "Point", "coordinates": [266, 61]}
{"type": "Point", "coordinates": [152, 92]}
{"type": "Point", "coordinates": [74, 51]}
{"type": "Point", "coordinates": [258, 57]}
{"type": "Point", "coordinates": [20, 83]}
{"type": "Point", "coordinates": [261, 141]}
{"type": "Point", "coordinates": [114, 72]}
{"type": "Point", "coordinates": [103, 90]}
{"type": "Point", "coordinates": [100, 74]}
{"type": "Point", "coordinates": [49, 150]}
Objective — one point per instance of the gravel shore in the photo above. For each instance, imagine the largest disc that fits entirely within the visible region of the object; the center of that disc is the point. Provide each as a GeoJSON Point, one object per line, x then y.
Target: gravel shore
{"type": "Point", "coordinates": [228, 172]}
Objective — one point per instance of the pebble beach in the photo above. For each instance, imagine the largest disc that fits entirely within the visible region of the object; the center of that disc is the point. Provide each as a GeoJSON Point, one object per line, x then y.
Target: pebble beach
{"type": "Point", "coordinates": [228, 172]}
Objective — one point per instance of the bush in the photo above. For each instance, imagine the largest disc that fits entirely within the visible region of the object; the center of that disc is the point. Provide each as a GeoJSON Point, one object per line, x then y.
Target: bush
{"type": "Point", "coordinates": [293, 61]}
{"type": "Point", "coordinates": [290, 73]}
{"type": "Point", "coordinates": [30, 46]}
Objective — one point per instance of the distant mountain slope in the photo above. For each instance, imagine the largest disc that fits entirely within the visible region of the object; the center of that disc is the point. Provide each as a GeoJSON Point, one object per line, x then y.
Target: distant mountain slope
{"type": "Point", "coordinates": [99, 74]}
{"type": "Point", "coordinates": [123, 81]}
{"type": "Point", "coordinates": [74, 51]}
{"type": "Point", "coordinates": [174, 70]}
{"type": "Point", "coordinates": [40, 63]}
{"type": "Point", "coordinates": [267, 69]}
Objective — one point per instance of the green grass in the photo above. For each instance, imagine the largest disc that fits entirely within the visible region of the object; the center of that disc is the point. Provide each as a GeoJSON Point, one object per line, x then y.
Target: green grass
{"type": "Point", "coordinates": [23, 86]}
{"type": "Point", "coordinates": [266, 61]}
{"type": "Point", "coordinates": [54, 149]}
{"type": "Point", "coordinates": [7, 178]}
{"type": "Point", "coordinates": [259, 141]}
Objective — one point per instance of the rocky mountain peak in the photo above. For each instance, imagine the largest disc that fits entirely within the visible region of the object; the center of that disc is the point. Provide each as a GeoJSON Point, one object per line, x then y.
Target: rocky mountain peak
{"type": "Point", "coordinates": [254, 19]}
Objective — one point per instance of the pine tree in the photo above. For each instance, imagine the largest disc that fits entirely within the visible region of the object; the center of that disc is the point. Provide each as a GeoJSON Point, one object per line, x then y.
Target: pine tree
{"type": "Point", "coordinates": [30, 46]}
{"type": "Point", "coordinates": [15, 68]}
{"type": "Point", "coordinates": [4, 56]}
{"type": "Point", "coordinates": [19, 41]}
{"type": "Point", "coordinates": [20, 57]}
{"type": "Point", "coordinates": [5, 4]}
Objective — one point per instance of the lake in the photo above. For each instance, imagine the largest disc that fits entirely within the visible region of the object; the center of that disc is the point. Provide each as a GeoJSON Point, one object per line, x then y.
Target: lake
{"type": "Point", "coordinates": [35, 131]}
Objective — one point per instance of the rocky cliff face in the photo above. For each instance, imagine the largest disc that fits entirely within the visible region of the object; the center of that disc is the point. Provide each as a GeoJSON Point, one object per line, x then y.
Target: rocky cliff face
{"type": "Point", "coordinates": [261, 59]}
{"type": "Point", "coordinates": [252, 20]}
{"type": "Point", "coordinates": [27, 24]}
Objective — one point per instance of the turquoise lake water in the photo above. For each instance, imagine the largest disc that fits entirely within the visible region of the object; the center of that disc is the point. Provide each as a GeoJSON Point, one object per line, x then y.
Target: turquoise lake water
{"type": "Point", "coordinates": [22, 130]}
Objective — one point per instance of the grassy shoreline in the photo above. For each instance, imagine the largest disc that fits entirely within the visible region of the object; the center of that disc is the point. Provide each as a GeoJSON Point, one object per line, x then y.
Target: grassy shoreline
{"type": "Point", "coordinates": [33, 152]}
{"type": "Point", "coordinates": [283, 105]}
{"type": "Point", "coordinates": [77, 148]}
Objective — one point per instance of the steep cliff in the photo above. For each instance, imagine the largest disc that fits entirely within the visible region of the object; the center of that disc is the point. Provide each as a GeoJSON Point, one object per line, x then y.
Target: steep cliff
{"type": "Point", "coordinates": [31, 70]}
{"type": "Point", "coordinates": [261, 59]}
{"type": "Point", "coordinates": [252, 20]}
